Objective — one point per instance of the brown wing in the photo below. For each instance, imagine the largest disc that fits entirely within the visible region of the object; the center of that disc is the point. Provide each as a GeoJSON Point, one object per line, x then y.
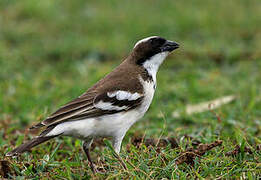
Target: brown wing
{"type": "Point", "coordinates": [67, 111]}
{"type": "Point", "coordinates": [88, 106]}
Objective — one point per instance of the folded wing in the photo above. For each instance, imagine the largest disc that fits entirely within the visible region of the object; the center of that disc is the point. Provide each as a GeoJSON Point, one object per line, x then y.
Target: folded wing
{"type": "Point", "coordinates": [92, 104]}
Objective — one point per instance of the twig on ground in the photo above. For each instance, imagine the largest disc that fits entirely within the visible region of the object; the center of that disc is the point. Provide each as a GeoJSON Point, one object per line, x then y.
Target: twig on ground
{"type": "Point", "coordinates": [201, 107]}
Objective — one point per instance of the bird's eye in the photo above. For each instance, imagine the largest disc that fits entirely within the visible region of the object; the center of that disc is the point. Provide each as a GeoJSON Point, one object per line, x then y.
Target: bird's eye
{"type": "Point", "coordinates": [151, 41]}
{"type": "Point", "coordinates": [156, 41]}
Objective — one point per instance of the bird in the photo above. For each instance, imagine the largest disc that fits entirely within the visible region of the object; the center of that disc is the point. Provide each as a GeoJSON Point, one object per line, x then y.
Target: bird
{"type": "Point", "coordinates": [112, 105]}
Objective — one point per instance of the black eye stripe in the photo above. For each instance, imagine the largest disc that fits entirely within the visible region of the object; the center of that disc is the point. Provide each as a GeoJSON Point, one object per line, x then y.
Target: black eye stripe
{"type": "Point", "coordinates": [149, 48]}
{"type": "Point", "coordinates": [157, 41]}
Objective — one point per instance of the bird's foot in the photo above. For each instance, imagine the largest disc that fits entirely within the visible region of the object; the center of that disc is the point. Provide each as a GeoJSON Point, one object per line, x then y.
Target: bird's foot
{"type": "Point", "coordinates": [96, 170]}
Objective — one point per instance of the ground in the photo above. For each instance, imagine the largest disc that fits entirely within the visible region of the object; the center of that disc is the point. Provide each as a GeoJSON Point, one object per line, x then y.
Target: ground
{"type": "Point", "coordinates": [52, 51]}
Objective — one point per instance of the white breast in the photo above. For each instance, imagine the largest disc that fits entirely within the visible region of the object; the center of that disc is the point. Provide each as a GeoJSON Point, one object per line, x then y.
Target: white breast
{"type": "Point", "coordinates": [149, 90]}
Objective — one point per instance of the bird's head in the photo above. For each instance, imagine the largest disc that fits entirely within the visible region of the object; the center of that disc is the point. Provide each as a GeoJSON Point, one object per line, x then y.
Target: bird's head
{"type": "Point", "coordinates": [153, 50]}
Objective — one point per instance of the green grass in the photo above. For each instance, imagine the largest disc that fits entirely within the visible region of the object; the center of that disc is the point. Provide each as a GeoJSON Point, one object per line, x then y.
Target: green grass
{"type": "Point", "coordinates": [52, 51]}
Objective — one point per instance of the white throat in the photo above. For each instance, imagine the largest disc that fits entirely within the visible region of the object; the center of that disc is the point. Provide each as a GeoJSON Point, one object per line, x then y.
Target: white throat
{"type": "Point", "coordinates": [152, 64]}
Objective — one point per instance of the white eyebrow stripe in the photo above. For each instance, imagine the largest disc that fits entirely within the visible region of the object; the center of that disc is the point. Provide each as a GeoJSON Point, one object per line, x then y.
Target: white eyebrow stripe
{"type": "Point", "coordinates": [108, 106]}
{"type": "Point", "coordinates": [143, 40]}
{"type": "Point", "coordinates": [124, 95]}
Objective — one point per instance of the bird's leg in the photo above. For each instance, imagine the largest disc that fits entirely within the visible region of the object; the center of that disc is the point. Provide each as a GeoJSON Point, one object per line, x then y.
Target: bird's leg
{"type": "Point", "coordinates": [86, 148]}
{"type": "Point", "coordinates": [117, 147]}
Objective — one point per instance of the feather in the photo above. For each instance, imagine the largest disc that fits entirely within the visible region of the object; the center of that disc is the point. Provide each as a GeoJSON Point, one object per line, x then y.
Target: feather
{"type": "Point", "coordinates": [28, 145]}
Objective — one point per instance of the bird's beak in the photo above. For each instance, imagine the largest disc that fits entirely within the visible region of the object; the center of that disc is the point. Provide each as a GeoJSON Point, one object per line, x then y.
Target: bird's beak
{"type": "Point", "coordinates": [169, 46]}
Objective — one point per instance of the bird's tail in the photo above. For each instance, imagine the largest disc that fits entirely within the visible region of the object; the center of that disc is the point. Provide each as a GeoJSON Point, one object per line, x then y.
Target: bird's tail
{"type": "Point", "coordinates": [28, 145]}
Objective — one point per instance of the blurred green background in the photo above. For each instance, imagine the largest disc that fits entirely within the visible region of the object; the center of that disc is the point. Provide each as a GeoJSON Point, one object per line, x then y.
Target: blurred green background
{"type": "Point", "coordinates": [52, 51]}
